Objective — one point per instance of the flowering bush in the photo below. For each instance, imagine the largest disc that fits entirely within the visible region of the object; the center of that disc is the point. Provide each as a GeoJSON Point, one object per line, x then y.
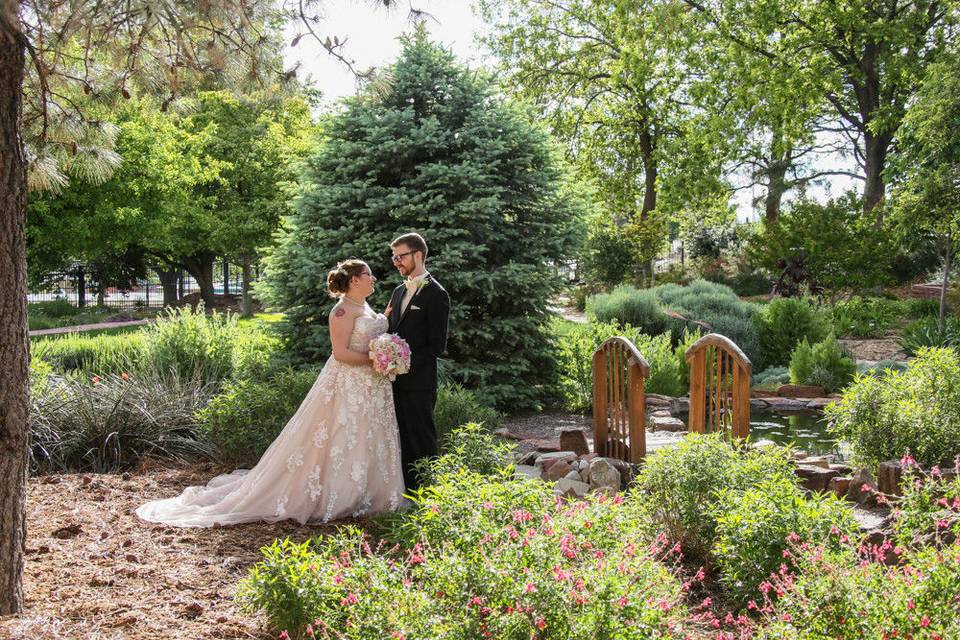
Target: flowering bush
{"type": "Point", "coordinates": [929, 510]}
{"type": "Point", "coordinates": [753, 528]}
{"type": "Point", "coordinates": [843, 594]}
{"type": "Point", "coordinates": [479, 559]}
{"type": "Point", "coordinates": [680, 484]}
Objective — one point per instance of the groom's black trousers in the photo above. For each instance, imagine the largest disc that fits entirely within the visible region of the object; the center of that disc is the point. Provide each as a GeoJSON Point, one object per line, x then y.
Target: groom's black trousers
{"type": "Point", "coordinates": [418, 435]}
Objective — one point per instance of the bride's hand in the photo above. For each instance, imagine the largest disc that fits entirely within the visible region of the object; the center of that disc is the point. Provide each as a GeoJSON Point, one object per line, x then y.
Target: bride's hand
{"type": "Point", "coordinates": [388, 310]}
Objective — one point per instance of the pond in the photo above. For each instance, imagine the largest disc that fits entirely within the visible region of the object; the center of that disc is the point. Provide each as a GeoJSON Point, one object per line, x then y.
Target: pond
{"type": "Point", "coordinates": [805, 430]}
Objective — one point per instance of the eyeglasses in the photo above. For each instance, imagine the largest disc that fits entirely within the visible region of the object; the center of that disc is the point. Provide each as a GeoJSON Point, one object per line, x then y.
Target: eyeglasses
{"type": "Point", "coordinates": [400, 256]}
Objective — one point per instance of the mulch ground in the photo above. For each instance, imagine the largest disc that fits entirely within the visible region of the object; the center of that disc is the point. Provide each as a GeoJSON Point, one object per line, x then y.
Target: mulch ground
{"type": "Point", "coordinates": [93, 570]}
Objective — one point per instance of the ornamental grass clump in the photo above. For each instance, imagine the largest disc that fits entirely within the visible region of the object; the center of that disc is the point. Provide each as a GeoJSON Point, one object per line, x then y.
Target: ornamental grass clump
{"type": "Point", "coordinates": [108, 423]}
{"type": "Point", "coordinates": [479, 558]}
{"type": "Point", "coordinates": [887, 415]}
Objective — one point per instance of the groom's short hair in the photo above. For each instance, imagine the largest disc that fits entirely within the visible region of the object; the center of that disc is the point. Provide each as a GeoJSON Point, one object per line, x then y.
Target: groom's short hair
{"type": "Point", "coordinates": [413, 240]}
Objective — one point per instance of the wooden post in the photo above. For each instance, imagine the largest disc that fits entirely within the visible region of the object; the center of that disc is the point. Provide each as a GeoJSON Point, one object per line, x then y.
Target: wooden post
{"type": "Point", "coordinates": [719, 377]}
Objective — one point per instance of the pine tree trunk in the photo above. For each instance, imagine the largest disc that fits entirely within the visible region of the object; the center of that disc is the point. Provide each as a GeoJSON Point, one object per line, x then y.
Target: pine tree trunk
{"type": "Point", "coordinates": [14, 417]}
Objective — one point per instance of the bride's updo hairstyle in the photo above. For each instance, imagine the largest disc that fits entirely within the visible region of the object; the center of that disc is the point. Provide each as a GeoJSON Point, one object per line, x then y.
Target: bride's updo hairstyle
{"type": "Point", "coordinates": [338, 280]}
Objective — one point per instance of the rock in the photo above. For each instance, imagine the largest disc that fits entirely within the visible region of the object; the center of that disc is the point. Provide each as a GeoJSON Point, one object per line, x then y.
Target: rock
{"type": "Point", "coordinates": [840, 485]}
{"type": "Point", "coordinates": [590, 456]}
{"type": "Point", "coordinates": [574, 475]}
{"type": "Point", "coordinates": [574, 440]}
{"type": "Point", "coordinates": [817, 461]}
{"type": "Point", "coordinates": [527, 471]}
{"type": "Point", "coordinates": [760, 403]}
{"type": "Point", "coordinates": [784, 404]}
{"type": "Point", "coordinates": [819, 403]}
{"type": "Point", "coordinates": [800, 391]}
{"type": "Point", "coordinates": [845, 469]}
{"type": "Point", "coordinates": [658, 423]}
{"type": "Point", "coordinates": [663, 413]}
{"type": "Point", "coordinates": [888, 477]}
{"type": "Point", "coordinates": [604, 476]}
{"type": "Point", "coordinates": [529, 458]}
{"type": "Point", "coordinates": [69, 531]}
{"type": "Point", "coordinates": [506, 434]}
{"type": "Point", "coordinates": [760, 393]}
{"type": "Point", "coordinates": [799, 454]}
{"type": "Point", "coordinates": [815, 478]}
{"type": "Point", "coordinates": [657, 400]}
{"type": "Point", "coordinates": [572, 488]}
{"type": "Point", "coordinates": [681, 405]}
{"type": "Point", "coordinates": [569, 456]}
{"type": "Point", "coordinates": [544, 445]}
{"type": "Point", "coordinates": [858, 480]}
{"type": "Point", "coordinates": [557, 470]}
{"type": "Point", "coordinates": [625, 469]}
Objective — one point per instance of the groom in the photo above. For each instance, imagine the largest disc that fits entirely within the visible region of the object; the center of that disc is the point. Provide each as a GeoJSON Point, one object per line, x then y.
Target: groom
{"type": "Point", "coordinates": [418, 313]}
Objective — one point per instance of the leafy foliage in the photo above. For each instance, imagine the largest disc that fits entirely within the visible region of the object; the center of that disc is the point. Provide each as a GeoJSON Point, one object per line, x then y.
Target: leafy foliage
{"type": "Point", "coordinates": [754, 528]}
{"type": "Point", "coordinates": [468, 448]}
{"type": "Point", "coordinates": [248, 414]}
{"type": "Point", "coordinates": [680, 486]}
{"type": "Point", "coordinates": [783, 323]}
{"type": "Point", "coordinates": [431, 149]}
{"type": "Point", "coordinates": [639, 308]}
{"type": "Point", "coordinates": [885, 416]}
{"type": "Point", "coordinates": [833, 239]}
{"type": "Point", "coordinates": [457, 406]}
{"type": "Point", "coordinates": [91, 355]}
{"type": "Point", "coordinates": [866, 317]}
{"type": "Point", "coordinates": [826, 364]}
{"type": "Point", "coordinates": [926, 333]}
{"type": "Point", "coordinates": [191, 344]}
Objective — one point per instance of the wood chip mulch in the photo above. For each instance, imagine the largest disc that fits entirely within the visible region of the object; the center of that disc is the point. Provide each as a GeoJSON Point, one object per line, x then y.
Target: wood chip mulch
{"type": "Point", "coordinates": [94, 570]}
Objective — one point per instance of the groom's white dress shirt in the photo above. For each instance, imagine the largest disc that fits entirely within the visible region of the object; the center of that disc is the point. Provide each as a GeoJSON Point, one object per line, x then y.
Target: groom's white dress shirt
{"type": "Point", "coordinates": [412, 284]}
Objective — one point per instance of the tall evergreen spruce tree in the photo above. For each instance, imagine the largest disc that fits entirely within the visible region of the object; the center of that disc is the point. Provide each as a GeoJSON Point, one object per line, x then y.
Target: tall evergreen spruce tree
{"type": "Point", "coordinates": [430, 148]}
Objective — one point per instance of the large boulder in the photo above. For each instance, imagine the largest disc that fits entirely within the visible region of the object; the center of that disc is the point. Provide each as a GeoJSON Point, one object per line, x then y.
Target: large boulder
{"type": "Point", "coordinates": [571, 488]}
{"type": "Point", "coordinates": [604, 476]}
{"type": "Point", "coordinates": [815, 478]}
{"type": "Point", "coordinates": [801, 391]}
{"type": "Point", "coordinates": [574, 440]}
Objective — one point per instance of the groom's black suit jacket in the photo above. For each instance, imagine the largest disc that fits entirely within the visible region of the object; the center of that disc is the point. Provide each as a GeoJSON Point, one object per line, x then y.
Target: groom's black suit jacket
{"type": "Point", "coordinates": [424, 327]}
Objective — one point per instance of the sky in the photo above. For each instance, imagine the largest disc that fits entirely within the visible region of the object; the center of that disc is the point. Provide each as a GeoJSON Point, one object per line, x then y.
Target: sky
{"type": "Point", "coordinates": [372, 34]}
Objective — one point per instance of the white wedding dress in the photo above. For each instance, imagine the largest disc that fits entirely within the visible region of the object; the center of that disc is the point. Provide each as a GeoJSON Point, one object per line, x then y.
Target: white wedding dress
{"type": "Point", "coordinates": [339, 455]}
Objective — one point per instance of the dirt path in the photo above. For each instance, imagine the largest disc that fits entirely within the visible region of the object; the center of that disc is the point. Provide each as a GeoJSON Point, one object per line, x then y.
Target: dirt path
{"type": "Point", "coordinates": [93, 570]}
{"type": "Point", "coordinates": [88, 327]}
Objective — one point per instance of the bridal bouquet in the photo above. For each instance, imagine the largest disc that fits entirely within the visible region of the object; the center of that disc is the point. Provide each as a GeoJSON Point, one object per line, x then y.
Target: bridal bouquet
{"type": "Point", "coordinates": [390, 354]}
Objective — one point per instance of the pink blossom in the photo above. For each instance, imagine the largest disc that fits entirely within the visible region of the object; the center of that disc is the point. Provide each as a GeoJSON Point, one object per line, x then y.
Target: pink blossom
{"type": "Point", "coordinates": [529, 588]}
{"type": "Point", "coordinates": [540, 623]}
{"type": "Point", "coordinates": [350, 599]}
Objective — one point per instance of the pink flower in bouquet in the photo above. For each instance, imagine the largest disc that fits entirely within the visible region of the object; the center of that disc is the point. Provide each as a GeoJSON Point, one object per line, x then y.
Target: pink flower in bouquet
{"type": "Point", "coordinates": [390, 355]}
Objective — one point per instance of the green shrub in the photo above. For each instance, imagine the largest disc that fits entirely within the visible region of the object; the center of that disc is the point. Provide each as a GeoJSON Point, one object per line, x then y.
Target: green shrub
{"type": "Point", "coordinates": [926, 332]}
{"type": "Point", "coordinates": [576, 344]}
{"type": "Point", "coordinates": [716, 306]}
{"type": "Point", "coordinates": [457, 406]}
{"type": "Point", "coordinates": [108, 423]}
{"type": "Point", "coordinates": [679, 485]}
{"type": "Point", "coordinates": [826, 364]}
{"type": "Point", "coordinates": [470, 448]}
{"type": "Point", "coordinates": [40, 376]}
{"type": "Point", "coordinates": [886, 415]}
{"type": "Point", "coordinates": [256, 354]}
{"type": "Point", "coordinates": [192, 344]}
{"type": "Point", "coordinates": [782, 324]}
{"type": "Point", "coordinates": [247, 415]}
{"type": "Point", "coordinates": [880, 367]}
{"type": "Point", "coordinates": [753, 527]}
{"type": "Point", "coordinates": [833, 594]}
{"type": "Point", "coordinates": [772, 377]}
{"type": "Point", "coordinates": [477, 557]}
{"type": "Point", "coordinates": [92, 355]}
{"type": "Point", "coordinates": [639, 308]}
{"type": "Point", "coordinates": [866, 317]}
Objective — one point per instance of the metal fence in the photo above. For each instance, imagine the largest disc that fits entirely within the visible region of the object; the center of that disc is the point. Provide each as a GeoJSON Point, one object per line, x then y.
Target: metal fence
{"type": "Point", "coordinates": [142, 294]}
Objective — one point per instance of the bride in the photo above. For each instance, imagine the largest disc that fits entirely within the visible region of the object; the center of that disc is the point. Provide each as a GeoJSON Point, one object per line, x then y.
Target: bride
{"type": "Point", "coordinates": [339, 455]}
